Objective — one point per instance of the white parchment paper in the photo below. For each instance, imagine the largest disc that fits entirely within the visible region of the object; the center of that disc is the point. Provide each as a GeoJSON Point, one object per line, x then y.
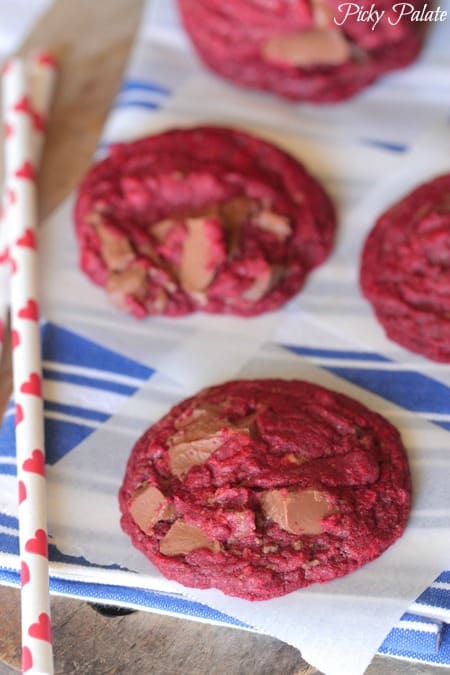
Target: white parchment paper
{"type": "Point", "coordinates": [338, 626]}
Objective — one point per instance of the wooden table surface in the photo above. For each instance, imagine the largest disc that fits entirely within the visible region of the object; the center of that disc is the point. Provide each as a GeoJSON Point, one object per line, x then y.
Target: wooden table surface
{"type": "Point", "coordinates": [92, 41]}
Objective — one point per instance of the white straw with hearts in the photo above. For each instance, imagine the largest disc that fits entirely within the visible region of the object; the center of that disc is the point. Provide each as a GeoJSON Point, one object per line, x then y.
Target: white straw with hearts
{"type": "Point", "coordinates": [4, 281]}
{"type": "Point", "coordinates": [23, 122]}
{"type": "Point", "coordinates": [41, 78]}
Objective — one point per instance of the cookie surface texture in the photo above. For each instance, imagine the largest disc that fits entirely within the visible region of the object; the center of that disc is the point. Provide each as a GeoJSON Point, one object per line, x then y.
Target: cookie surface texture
{"type": "Point", "coordinates": [207, 219]}
{"type": "Point", "coordinates": [317, 50]}
{"type": "Point", "coordinates": [405, 270]}
{"type": "Point", "coordinates": [262, 487]}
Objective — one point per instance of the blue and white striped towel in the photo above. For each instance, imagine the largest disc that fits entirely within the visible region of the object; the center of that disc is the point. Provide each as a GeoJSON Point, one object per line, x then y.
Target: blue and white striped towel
{"type": "Point", "coordinates": [106, 379]}
{"type": "Point", "coordinates": [87, 445]}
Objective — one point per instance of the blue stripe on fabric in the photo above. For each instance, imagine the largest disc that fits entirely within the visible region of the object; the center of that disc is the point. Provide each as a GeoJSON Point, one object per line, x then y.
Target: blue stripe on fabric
{"type": "Point", "coordinates": [444, 425]}
{"type": "Point", "coordinates": [64, 346]}
{"type": "Point", "coordinates": [7, 437]}
{"type": "Point", "coordinates": [145, 85]}
{"type": "Point", "coordinates": [137, 104]}
{"type": "Point", "coordinates": [9, 521]}
{"type": "Point", "coordinates": [77, 411]}
{"type": "Point", "coordinates": [411, 390]}
{"type": "Point", "coordinates": [163, 602]}
{"type": "Point", "coordinates": [405, 643]}
{"type": "Point", "coordinates": [8, 470]}
{"type": "Point", "coordinates": [436, 597]}
{"type": "Point", "coordinates": [87, 381]}
{"type": "Point", "coordinates": [409, 640]}
{"type": "Point", "coordinates": [401, 642]}
{"type": "Point", "coordinates": [9, 543]}
{"type": "Point", "coordinates": [407, 616]}
{"type": "Point", "coordinates": [409, 651]}
{"type": "Point", "coordinates": [61, 437]}
{"type": "Point", "coordinates": [444, 577]}
{"type": "Point", "coordinates": [385, 145]}
{"type": "Point", "coordinates": [336, 353]}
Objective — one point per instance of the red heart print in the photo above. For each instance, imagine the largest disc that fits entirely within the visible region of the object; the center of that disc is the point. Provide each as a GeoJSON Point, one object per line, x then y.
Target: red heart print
{"type": "Point", "coordinates": [24, 105]}
{"type": "Point", "coordinates": [32, 386]}
{"type": "Point", "coordinates": [38, 122]}
{"type": "Point", "coordinates": [35, 463]}
{"type": "Point", "coordinates": [28, 239]}
{"type": "Point", "coordinates": [22, 491]}
{"type": "Point", "coordinates": [42, 630]}
{"type": "Point", "coordinates": [4, 255]}
{"type": "Point", "coordinates": [8, 130]}
{"type": "Point", "coordinates": [29, 311]}
{"type": "Point", "coordinates": [15, 338]}
{"type": "Point", "coordinates": [27, 659]}
{"type": "Point", "coordinates": [19, 413]}
{"type": "Point", "coordinates": [13, 264]}
{"type": "Point", "coordinates": [12, 196]}
{"type": "Point", "coordinates": [24, 574]}
{"type": "Point", "coordinates": [6, 66]}
{"type": "Point", "coordinates": [46, 59]}
{"type": "Point", "coordinates": [38, 543]}
{"type": "Point", "coordinates": [26, 171]}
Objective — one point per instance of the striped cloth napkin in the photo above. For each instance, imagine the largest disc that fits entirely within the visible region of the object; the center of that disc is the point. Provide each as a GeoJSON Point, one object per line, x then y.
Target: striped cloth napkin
{"type": "Point", "coordinates": [107, 379]}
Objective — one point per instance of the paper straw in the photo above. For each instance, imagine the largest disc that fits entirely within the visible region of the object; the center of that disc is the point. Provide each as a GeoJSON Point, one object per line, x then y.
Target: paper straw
{"type": "Point", "coordinates": [21, 215]}
{"type": "Point", "coordinates": [4, 281]}
{"type": "Point", "coordinates": [41, 77]}
{"type": "Point", "coordinates": [41, 70]}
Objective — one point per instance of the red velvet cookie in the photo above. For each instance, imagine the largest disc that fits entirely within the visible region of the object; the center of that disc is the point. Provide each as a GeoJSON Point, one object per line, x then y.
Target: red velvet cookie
{"type": "Point", "coordinates": [262, 487]}
{"type": "Point", "coordinates": [405, 270]}
{"type": "Point", "coordinates": [208, 219]}
{"type": "Point", "coordinates": [305, 50]}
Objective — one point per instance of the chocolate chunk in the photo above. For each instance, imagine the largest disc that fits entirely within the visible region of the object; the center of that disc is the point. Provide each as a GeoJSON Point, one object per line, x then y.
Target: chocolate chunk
{"type": "Point", "coordinates": [274, 223]}
{"type": "Point", "coordinates": [313, 47]}
{"type": "Point", "coordinates": [161, 229]}
{"type": "Point", "coordinates": [199, 434]}
{"type": "Point", "coordinates": [296, 511]}
{"type": "Point", "coordinates": [183, 538]}
{"type": "Point", "coordinates": [115, 248]}
{"type": "Point", "coordinates": [247, 425]}
{"type": "Point", "coordinates": [199, 422]}
{"type": "Point", "coordinates": [183, 456]}
{"type": "Point", "coordinates": [148, 506]}
{"type": "Point", "coordinates": [235, 213]}
{"type": "Point", "coordinates": [198, 266]}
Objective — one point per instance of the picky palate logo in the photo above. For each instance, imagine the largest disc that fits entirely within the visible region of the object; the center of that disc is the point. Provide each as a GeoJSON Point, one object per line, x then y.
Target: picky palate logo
{"type": "Point", "coordinates": [400, 10]}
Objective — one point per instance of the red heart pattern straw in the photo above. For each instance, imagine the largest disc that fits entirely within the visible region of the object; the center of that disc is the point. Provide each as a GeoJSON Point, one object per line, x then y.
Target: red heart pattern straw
{"type": "Point", "coordinates": [41, 75]}
{"type": "Point", "coordinates": [27, 90]}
